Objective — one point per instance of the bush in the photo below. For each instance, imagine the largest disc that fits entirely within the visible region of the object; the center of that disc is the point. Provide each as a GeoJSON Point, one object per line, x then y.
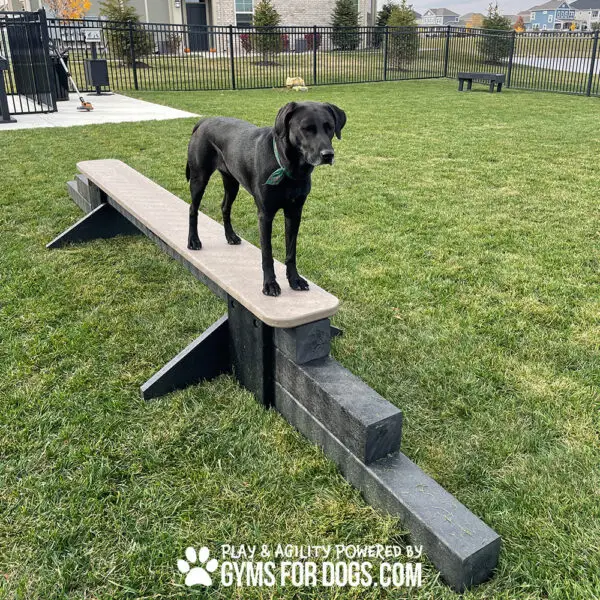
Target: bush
{"type": "Point", "coordinates": [383, 17]}
{"type": "Point", "coordinates": [119, 39]}
{"type": "Point", "coordinates": [313, 41]}
{"type": "Point", "coordinates": [246, 42]}
{"type": "Point", "coordinates": [267, 40]}
{"type": "Point", "coordinates": [495, 44]}
{"type": "Point", "coordinates": [345, 15]}
{"type": "Point", "coordinates": [403, 44]}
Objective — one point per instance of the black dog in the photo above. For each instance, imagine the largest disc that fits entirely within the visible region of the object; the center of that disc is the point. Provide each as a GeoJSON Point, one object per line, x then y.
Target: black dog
{"type": "Point", "coordinates": [274, 164]}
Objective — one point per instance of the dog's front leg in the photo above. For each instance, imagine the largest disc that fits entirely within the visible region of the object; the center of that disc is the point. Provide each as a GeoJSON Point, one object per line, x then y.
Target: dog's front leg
{"type": "Point", "coordinates": [265, 225]}
{"type": "Point", "coordinates": [293, 215]}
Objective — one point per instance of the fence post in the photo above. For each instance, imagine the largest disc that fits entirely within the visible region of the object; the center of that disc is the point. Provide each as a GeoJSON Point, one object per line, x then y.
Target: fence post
{"type": "Point", "coordinates": [46, 44]}
{"type": "Point", "coordinates": [231, 57]}
{"type": "Point", "coordinates": [510, 58]}
{"type": "Point", "coordinates": [385, 53]}
{"type": "Point", "coordinates": [592, 64]}
{"type": "Point", "coordinates": [315, 55]}
{"type": "Point", "coordinates": [447, 53]}
{"type": "Point", "coordinates": [132, 52]}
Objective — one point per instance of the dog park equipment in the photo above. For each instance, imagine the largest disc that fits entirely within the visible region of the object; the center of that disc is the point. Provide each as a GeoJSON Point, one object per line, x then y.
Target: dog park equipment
{"type": "Point", "coordinates": [4, 110]}
{"type": "Point", "coordinates": [278, 348]}
{"type": "Point", "coordinates": [493, 79]}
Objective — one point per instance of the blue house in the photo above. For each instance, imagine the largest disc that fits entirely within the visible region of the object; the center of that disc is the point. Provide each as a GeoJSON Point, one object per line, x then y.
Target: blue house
{"type": "Point", "coordinates": [555, 15]}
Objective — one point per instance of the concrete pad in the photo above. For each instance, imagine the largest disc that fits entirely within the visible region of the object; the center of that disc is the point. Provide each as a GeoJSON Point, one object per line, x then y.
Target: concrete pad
{"type": "Point", "coordinates": [113, 108]}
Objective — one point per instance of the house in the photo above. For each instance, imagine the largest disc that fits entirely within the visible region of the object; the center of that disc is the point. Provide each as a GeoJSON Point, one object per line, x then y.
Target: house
{"type": "Point", "coordinates": [439, 16]}
{"type": "Point", "coordinates": [555, 15]}
{"type": "Point", "coordinates": [525, 15]}
{"type": "Point", "coordinates": [472, 19]}
{"type": "Point", "coordinates": [230, 12]}
{"type": "Point", "coordinates": [587, 12]}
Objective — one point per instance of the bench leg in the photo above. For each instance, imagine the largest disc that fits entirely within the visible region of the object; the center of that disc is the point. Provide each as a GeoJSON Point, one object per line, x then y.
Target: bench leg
{"type": "Point", "coordinates": [461, 84]}
{"type": "Point", "coordinates": [499, 87]}
{"type": "Point", "coordinates": [491, 87]}
{"type": "Point", "coordinates": [469, 84]}
{"type": "Point", "coordinates": [205, 358]}
{"type": "Point", "coordinates": [103, 222]}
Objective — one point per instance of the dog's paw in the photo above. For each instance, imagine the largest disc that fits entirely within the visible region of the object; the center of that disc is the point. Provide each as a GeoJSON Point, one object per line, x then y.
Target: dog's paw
{"type": "Point", "coordinates": [298, 283]}
{"type": "Point", "coordinates": [194, 243]}
{"type": "Point", "coordinates": [271, 288]}
{"type": "Point", "coordinates": [233, 238]}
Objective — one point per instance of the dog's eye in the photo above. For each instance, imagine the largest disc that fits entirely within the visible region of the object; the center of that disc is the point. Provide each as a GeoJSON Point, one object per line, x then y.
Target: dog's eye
{"type": "Point", "coordinates": [310, 129]}
{"type": "Point", "coordinates": [327, 127]}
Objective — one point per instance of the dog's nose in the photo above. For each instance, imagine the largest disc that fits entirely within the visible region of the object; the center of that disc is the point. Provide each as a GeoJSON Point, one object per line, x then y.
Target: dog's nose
{"type": "Point", "coordinates": [327, 156]}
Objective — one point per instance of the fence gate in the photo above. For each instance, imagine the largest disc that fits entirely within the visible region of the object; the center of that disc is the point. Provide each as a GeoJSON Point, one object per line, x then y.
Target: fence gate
{"type": "Point", "coordinates": [24, 42]}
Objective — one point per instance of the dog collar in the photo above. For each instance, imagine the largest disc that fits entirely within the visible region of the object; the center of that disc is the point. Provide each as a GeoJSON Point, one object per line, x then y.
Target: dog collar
{"type": "Point", "coordinates": [280, 174]}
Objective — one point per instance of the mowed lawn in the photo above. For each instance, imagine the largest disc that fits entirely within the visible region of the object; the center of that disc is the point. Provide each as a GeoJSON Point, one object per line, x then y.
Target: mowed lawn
{"type": "Point", "coordinates": [461, 233]}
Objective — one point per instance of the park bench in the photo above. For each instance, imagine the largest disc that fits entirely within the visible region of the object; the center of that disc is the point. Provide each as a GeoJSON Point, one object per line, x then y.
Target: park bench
{"type": "Point", "coordinates": [279, 349]}
{"type": "Point", "coordinates": [493, 79]}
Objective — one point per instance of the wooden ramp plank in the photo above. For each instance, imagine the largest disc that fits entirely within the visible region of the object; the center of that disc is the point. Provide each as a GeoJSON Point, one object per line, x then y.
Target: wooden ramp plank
{"type": "Point", "coordinates": [235, 269]}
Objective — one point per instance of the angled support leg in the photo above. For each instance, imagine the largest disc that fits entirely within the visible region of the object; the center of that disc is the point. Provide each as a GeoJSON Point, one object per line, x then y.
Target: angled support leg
{"type": "Point", "coordinates": [102, 223]}
{"type": "Point", "coordinates": [205, 358]}
{"type": "Point", "coordinates": [336, 331]}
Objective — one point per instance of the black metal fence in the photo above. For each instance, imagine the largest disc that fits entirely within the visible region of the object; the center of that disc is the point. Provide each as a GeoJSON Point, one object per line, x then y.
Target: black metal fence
{"type": "Point", "coordinates": [24, 43]}
{"type": "Point", "coordinates": [154, 56]}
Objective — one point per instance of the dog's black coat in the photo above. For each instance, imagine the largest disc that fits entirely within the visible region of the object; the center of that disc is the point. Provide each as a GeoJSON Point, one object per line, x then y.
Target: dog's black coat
{"type": "Point", "coordinates": [243, 154]}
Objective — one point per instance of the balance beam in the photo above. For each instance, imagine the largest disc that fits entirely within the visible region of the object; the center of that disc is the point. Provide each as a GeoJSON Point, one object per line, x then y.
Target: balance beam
{"type": "Point", "coordinates": [279, 349]}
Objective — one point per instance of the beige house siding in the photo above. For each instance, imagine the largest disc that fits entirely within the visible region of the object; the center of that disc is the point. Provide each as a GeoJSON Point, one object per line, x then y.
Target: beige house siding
{"type": "Point", "coordinates": [222, 12]}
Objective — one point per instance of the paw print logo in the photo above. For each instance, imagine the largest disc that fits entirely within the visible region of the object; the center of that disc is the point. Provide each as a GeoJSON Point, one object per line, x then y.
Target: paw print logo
{"type": "Point", "coordinates": [197, 575]}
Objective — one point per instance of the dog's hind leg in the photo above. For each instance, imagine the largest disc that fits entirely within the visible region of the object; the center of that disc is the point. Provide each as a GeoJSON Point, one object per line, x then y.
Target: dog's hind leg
{"type": "Point", "coordinates": [232, 187]}
{"type": "Point", "coordinates": [197, 187]}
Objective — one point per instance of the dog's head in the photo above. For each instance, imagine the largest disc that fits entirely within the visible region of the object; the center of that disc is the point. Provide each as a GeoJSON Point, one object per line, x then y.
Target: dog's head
{"type": "Point", "coordinates": [309, 127]}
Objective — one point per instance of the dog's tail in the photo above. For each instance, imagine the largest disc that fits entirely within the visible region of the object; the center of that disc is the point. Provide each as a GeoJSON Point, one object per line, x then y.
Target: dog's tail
{"type": "Point", "coordinates": [187, 165]}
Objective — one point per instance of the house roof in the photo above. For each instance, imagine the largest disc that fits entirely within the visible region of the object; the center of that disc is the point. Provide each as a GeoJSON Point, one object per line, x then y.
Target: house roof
{"type": "Point", "coordinates": [525, 14]}
{"type": "Point", "coordinates": [470, 15]}
{"type": "Point", "coordinates": [442, 12]}
{"type": "Point", "coordinates": [585, 4]}
{"type": "Point", "coordinates": [419, 15]}
{"type": "Point", "coordinates": [552, 5]}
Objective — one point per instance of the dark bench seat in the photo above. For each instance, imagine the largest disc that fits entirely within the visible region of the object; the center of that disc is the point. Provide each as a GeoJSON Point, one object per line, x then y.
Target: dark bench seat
{"type": "Point", "coordinates": [493, 79]}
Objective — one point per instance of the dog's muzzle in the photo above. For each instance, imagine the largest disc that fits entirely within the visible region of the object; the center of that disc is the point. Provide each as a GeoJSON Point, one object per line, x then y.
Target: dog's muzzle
{"type": "Point", "coordinates": [327, 157]}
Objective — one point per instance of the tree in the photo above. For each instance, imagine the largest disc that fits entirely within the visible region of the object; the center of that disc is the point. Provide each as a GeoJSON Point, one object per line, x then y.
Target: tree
{"type": "Point", "coordinates": [595, 26]}
{"type": "Point", "coordinates": [519, 25]}
{"type": "Point", "coordinates": [119, 38]}
{"type": "Point", "coordinates": [267, 40]}
{"type": "Point", "coordinates": [68, 9]}
{"type": "Point", "coordinates": [344, 17]}
{"type": "Point", "coordinates": [495, 43]}
{"type": "Point", "coordinates": [403, 45]}
{"type": "Point", "coordinates": [382, 20]}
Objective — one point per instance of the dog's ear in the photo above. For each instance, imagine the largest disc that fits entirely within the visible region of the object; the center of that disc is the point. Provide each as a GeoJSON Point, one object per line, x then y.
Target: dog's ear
{"type": "Point", "coordinates": [339, 118]}
{"type": "Point", "coordinates": [282, 121]}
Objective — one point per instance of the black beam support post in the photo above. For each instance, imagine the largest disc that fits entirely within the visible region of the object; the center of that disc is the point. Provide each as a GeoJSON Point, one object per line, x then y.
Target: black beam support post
{"type": "Point", "coordinates": [252, 352]}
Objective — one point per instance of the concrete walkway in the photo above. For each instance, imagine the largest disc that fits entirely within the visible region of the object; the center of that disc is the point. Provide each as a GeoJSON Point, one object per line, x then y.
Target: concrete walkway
{"type": "Point", "coordinates": [107, 109]}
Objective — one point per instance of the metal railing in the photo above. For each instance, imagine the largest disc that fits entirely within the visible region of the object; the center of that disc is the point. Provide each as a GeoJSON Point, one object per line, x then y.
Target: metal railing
{"type": "Point", "coordinates": [27, 80]}
{"type": "Point", "coordinates": [160, 56]}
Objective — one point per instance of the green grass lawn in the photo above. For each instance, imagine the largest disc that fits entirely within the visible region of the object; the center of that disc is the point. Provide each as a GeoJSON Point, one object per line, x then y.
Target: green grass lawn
{"type": "Point", "coordinates": [460, 232]}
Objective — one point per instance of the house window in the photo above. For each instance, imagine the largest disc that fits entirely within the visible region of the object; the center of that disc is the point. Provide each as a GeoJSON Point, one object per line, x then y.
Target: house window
{"type": "Point", "coordinates": [549, 18]}
{"type": "Point", "coordinates": [243, 13]}
{"type": "Point", "coordinates": [594, 13]}
{"type": "Point", "coordinates": [533, 16]}
{"type": "Point", "coordinates": [545, 27]}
